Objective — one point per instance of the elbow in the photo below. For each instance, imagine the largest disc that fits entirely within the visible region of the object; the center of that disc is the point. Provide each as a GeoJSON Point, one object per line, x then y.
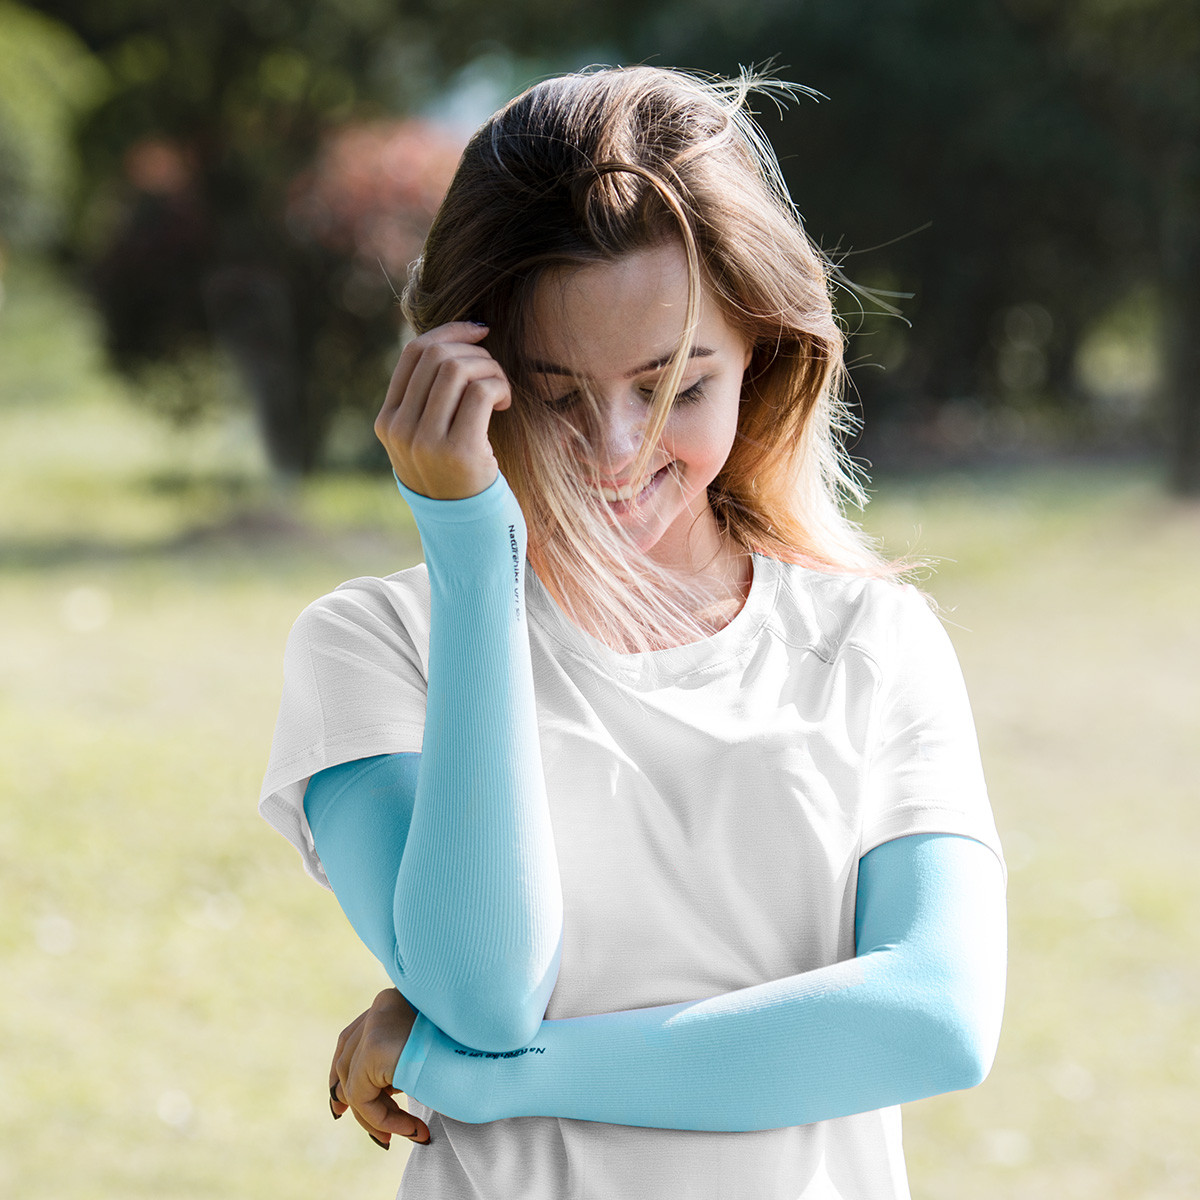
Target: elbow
{"type": "Point", "coordinates": [968, 1065]}
{"type": "Point", "coordinates": [488, 1022]}
{"type": "Point", "coordinates": [497, 1011]}
{"type": "Point", "coordinates": [966, 1041]}
{"type": "Point", "coordinates": [962, 1011]}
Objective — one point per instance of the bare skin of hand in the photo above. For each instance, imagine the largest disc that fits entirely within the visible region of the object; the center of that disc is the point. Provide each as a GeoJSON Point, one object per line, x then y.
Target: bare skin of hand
{"type": "Point", "coordinates": [364, 1064]}
{"type": "Point", "coordinates": [434, 420]}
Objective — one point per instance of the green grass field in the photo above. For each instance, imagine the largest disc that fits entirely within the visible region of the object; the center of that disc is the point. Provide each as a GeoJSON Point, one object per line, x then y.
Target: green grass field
{"type": "Point", "coordinates": [173, 982]}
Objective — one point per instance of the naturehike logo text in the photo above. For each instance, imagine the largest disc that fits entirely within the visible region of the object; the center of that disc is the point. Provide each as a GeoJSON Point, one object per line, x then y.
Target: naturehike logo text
{"type": "Point", "coordinates": [516, 562]}
{"type": "Point", "coordinates": [506, 1054]}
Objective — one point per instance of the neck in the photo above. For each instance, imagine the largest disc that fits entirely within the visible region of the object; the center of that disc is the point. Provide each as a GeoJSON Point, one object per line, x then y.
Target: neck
{"type": "Point", "coordinates": [715, 570]}
{"type": "Point", "coordinates": [697, 601]}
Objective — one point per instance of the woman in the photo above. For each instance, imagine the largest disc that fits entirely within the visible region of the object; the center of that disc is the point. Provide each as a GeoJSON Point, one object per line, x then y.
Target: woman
{"type": "Point", "coordinates": [676, 848]}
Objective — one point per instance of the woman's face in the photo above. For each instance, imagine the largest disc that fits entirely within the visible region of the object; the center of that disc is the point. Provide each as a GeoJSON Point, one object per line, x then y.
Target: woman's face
{"type": "Point", "coordinates": [615, 325]}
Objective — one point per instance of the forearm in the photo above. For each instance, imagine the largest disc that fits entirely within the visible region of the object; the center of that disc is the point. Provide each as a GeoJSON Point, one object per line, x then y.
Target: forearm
{"type": "Point", "coordinates": [783, 1053]}
{"type": "Point", "coordinates": [478, 902]}
{"type": "Point", "coordinates": [470, 879]}
{"type": "Point", "coordinates": [914, 1015]}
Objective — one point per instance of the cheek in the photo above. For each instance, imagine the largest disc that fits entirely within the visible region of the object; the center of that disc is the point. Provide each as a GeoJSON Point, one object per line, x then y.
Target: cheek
{"type": "Point", "coordinates": [705, 450]}
{"type": "Point", "coordinates": [709, 431]}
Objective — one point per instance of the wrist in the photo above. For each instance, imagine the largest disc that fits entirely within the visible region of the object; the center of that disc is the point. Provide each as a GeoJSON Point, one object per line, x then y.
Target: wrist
{"type": "Point", "coordinates": [495, 500]}
{"type": "Point", "coordinates": [473, 540]}
{"type": "Point", "coordinates": [446, 494]}
{"type": "Point", "coordinates": [413, 1056]}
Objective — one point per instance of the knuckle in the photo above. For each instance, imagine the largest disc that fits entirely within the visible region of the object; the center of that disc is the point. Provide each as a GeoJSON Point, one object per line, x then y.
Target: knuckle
{"type": "Point", "coordinates": [451, 371]}
{"type": "Point", "coordinates": [484, 392]}
{"type": "Point", "coordinates": [389, 432]}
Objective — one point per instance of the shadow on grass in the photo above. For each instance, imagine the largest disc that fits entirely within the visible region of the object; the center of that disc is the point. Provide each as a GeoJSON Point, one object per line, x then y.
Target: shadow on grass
{"type": "Point", "coordinates": [246, 537]}
{"type": "Point", "coordinates": [214, 516]}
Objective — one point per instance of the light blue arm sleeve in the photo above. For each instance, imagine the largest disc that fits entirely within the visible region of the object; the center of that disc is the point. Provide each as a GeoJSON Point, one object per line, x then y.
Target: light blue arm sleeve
{"type": "Point", "coordinates": [444, 862]}
{"type": "Point", "coordinates": [916, 1013]}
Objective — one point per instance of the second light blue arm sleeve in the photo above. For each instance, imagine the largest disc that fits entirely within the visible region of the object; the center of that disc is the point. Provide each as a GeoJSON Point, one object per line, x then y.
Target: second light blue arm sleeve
{"type": "Point", "coordinates": [914, 1014]}
{"type": "Point", "coordinates": [444, 861]}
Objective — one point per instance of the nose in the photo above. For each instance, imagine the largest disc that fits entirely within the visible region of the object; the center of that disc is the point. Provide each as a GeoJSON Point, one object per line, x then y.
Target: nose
{"type": "Point", "coordinates": [618, 438]}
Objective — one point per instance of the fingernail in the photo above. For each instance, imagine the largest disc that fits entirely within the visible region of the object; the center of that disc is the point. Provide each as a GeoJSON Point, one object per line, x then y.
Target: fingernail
{"type": "Point", "coordinates": [337, 1116]}
{"type": "Point", "coordinates": [412, 1137]}
{"type": "Point", "coordinates": [377, 1142]}
{"type": "Point", "coordinates": [481, 324]}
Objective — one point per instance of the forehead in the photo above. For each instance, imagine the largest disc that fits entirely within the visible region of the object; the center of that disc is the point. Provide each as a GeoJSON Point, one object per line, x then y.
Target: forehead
{"type": "Point", "coordinates": [603, 319]}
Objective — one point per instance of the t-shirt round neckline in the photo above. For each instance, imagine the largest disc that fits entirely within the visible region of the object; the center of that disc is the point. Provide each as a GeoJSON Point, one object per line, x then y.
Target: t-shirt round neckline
{"type": "Point", "coordinates": [673, 662]}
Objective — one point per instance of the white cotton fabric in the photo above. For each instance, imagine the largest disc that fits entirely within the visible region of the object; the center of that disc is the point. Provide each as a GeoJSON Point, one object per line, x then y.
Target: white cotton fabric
{"type": "Point", "coordinates": [709, 803]}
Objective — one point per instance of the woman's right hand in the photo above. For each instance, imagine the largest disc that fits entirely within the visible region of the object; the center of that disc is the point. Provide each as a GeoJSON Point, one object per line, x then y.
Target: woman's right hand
{"type": "Point", "coordinates": [364, 1063]}
{"type": "Point", "coordinates": [434, 420]}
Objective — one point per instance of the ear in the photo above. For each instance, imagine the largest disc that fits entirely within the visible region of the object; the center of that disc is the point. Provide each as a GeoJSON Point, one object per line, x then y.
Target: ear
{"type": "Point", "coordinates": [745, 368]}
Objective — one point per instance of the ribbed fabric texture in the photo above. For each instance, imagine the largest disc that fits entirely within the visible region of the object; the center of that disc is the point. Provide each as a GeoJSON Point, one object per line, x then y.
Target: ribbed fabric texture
{"type": "Point", "coordinates": [475, 895]}
{"type": "Point", "coordinates": [712, 807]}
{"type": "Point", "coordinates": [916, 1013]}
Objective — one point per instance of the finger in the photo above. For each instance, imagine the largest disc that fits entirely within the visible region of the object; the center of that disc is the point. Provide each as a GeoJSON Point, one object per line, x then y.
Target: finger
{"type": "Point", "coordinates": [437, 383]}
{"type": "Point", "coordinates": [469, 428]}
{"type": "Point", "coordinates": [378, 1115]}
{"type": "Point", "coordinates": [456, 386]}
{"type": "Point", "coordinates": [399, 1120]}
{"type": "Point", "coordinates": [381, 1137]}
{"type": "Point", "coordinates": [432, 394]}
{"type": "Point", "coordinates": [456, 331]}
{"type": "Point", "coordinates": [350, 1031]}
{"type": "Point", "coordinates": [343, 1065]}
{"type": "Point", "coordinates": [384, 1117]}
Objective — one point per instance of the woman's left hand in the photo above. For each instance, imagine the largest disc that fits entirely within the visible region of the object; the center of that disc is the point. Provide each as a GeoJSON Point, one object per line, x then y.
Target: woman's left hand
{"type": "Point", "coordinates": [364, 1064]}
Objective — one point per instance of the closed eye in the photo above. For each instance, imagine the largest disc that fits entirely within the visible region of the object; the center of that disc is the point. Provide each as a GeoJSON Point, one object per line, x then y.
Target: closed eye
{"type": "Point", "coordinates": [689, 396]}
{"type": "Point", "coordinates": [563, 403]}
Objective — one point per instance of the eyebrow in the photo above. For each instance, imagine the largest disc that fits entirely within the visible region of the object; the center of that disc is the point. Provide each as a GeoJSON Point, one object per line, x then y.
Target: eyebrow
{"type": "Point", "coordinates": [544, 368]}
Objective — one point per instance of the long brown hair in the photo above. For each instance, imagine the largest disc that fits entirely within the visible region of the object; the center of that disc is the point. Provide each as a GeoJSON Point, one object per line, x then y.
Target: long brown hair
{"type": "Point", "coordinates": [584, 168]}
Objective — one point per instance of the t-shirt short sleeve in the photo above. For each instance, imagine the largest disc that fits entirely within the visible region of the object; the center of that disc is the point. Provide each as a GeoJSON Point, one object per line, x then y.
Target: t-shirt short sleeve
{"type": "Point", "coordinates": [354, 685]}
{"type": "Point", "coordinates": [925, 774]}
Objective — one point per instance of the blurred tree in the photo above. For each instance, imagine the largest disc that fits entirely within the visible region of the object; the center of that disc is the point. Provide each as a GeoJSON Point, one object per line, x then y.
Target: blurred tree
{"type": "Point", "coordinates": [211, 111]}
{"type": "Point", "coordinates": [47, 81]}
{"type": "Point", "coordinates": [955, 161]}
{"type": "Point", "coordinates": [195, 231]}
{"type": "Point", "coordinates": [1136, 65]}
{"type": "Point", "coordinates": [1050, 146]}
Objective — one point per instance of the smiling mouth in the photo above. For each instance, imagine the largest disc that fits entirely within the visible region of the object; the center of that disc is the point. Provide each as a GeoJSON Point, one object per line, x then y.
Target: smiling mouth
{"type": "Point", "coordinates": [622, 500]}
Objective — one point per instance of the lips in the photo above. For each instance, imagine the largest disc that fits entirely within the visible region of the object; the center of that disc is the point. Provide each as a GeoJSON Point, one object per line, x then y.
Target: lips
{"type": "Point", "coordinates": [625, 493]}
{"type": "Point", "coordinates": [626, 498]}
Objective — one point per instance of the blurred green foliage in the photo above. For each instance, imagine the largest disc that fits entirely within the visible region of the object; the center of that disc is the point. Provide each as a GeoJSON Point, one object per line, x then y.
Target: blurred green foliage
{"type": "Point", "coordinates": [1022, 170]}
{"type": "Point", "coordinates": [48, 79]}
{"type": "Point", "coordinates": [1051, 149]}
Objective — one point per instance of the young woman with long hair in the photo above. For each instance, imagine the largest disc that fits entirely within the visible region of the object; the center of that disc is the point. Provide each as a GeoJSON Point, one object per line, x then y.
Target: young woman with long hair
{"type": "Point", "coordinates": [654, 789]}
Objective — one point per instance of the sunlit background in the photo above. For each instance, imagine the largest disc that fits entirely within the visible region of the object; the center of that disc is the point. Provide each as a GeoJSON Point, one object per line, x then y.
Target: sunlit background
{"type": "Point", "coordinates": [205, 215]}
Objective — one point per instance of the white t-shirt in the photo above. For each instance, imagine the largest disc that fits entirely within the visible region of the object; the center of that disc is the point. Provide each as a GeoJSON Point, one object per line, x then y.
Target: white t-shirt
{"type": "Point", "coordinates": [710, 804]}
